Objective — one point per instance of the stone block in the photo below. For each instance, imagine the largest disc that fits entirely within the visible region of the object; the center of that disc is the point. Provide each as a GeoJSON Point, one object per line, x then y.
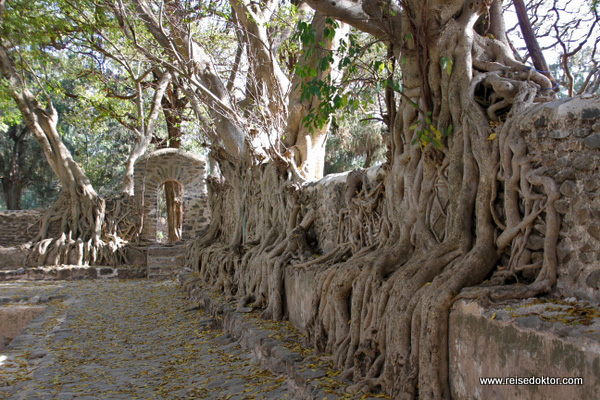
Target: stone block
{"type": "Point", "coordinates": [11, 258]}
{"type": "Point", "coordinates": [593, 280]}
{"type": "Point", "coordinates": [481, 346]}
{"type": "Point", "coordinates": [559, 134]}
{"type": "Point", "coordinates": [593, 141]}
{"type": "Point", "coordinates": [568, 189]}
{"type": "Point", "coordinates": [15, 318]}
{"type": "Point", "coordinates": [590, 114]}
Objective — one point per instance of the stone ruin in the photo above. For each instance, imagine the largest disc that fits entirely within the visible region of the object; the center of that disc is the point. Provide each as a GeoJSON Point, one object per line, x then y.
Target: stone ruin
{"type": "Point", "coordinates": [189, 170]}
{"type": "Point", "coordinates": [151, 172]}
{"type": "Point", "coordinates": [498, 340]}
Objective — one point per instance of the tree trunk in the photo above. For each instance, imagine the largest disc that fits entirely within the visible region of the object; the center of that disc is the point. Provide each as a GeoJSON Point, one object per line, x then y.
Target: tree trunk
{"type": "Point", "coordinates": [173, 106]}
{"type": "Point", "coordinates": [13, 179]}
{"type": "Point", "coordinates": [79, 210]}
{"type": "Point", "coordinates": [539, 61]}
{"type": "Point", "coordinates": [174, 195]}
{"type": "Point", "coordinates": [406, 244]}
{"type": "Point", "coordinates": [308, 142]}
{"type": "Point", "coordinates": [145, 129]}
{"type": "Point", "coordinates": [12, 193]}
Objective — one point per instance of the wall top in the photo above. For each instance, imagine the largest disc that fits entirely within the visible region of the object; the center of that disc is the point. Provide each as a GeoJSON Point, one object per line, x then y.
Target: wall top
{"type": "Point", "coordinates": [170, 151]}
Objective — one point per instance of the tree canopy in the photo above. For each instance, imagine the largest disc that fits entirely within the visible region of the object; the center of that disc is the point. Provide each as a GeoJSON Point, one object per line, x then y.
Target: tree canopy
{"type": "Point", "coordinates": [260, 85]}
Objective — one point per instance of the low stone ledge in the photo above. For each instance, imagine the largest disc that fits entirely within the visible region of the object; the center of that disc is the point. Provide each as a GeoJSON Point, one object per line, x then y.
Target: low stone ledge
{"type": "Point", "coordinates": [73, 272]}
{"type": "Point", "coordinates": [300, 369]}
{"type": "Point", "coordinates": [14, 319]}
{"type": "Point", "coordinates": [11, 257]}
{"type": "Point", "coordinates": [530, 338]}
{"type": "Point", "coordinates": [521, 339]}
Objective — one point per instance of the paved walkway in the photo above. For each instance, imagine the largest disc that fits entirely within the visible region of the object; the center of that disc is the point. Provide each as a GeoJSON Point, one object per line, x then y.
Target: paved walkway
{"type": "Point", "coordinates": [126, 340]}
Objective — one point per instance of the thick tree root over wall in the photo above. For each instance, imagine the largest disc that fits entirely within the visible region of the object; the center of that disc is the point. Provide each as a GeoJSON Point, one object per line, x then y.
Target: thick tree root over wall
{"type": "Point", "coordinates": [436, 220]}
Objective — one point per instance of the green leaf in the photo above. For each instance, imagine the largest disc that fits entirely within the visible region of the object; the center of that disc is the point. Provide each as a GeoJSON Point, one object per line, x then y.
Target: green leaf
{"type": "Point", "coordinates": [448, 130]}
{"type": "Point", "coordinates": [323, 64]}
{"type": "Point", "coordinates": [446, 64]}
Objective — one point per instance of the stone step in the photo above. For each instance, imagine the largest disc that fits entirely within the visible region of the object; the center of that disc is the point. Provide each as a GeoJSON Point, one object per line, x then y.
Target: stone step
{"type": "Point", "coordinates": [164, 261]}
{"type": "Point", "coordinates": [163, 272]}
{"type": "Point", "coordinates": [159, 262]}
{"type": "Point", "coordinates": [160, 277]}
{"type": "Point", "coordinates": [166, 251]}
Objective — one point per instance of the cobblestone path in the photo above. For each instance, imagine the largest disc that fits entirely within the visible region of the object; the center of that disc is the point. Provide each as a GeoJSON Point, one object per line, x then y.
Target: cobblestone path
{"type": "Point", "coordinates": [126, 340]}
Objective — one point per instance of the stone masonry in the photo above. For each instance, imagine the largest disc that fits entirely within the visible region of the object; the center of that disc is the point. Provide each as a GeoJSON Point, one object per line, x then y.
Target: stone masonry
{"type": "Point", "coordinates": [18, 226]}
{"type": "Point", "coordinates": [156, 168]}
{"type": "Point", "coordinates": [565, 138]}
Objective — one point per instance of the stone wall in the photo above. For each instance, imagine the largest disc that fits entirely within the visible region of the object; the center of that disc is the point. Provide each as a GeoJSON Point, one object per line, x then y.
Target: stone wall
{"type": "Point", "coordinates": [565, 137]}
{"type": "Point", "coordinates": [153, 170]}
{"type": "Point", "coordinates": [18, 226]}
{"type": "Point", "coordinates": [511, 342]}
{"type": "Point", "coordinates": [327, 195]}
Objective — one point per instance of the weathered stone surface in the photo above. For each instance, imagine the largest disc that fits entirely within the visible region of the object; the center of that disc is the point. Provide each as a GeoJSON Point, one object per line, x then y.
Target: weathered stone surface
{"type": "Point", "coordinates": [11, 257]}
{"type": "Point", "coordinates": [587, 257]}
{"type": "Point", "coordinates": [559, 134]}
{"type": "Point", "coordinates": [594, 230]}
{"type": "Point", "coordinates": [15, 318]}
{"type": "Point", "coordinates": [568, 189]}
{"type": "Point", "coordinates": [299, 286]}
{"type": "Point", "coordinates": [72, 272]}
{"type": "Point", "coordinates": [593, 141]}
{"type": "Point", "coordinates": [481, 346]}
{"type": "Point", "coordinates": [565, 174]}
{"type": "Point", "coordinates": [153, 170]}
{"type": "Point", "coordinates": [593, 280]}
{"type": "Point", "coordinates": [590, 113]}
{"type": "Point", "coordinates": [563, 162]}
{"type": "Point", "coordinates": [592, 183]}
{"type": "Point", "coordinates": [561, 206]}
{"type": "Point", "coordinates": [581, 132]}
{"type": "Point", "coordinates": [584, 162]}
{"type": "Point", "coordinates": [564, 250]}
{"type": "Point", "coordinates": [540, 122]}
{"type": "Point", "coordinates": [135, 256]}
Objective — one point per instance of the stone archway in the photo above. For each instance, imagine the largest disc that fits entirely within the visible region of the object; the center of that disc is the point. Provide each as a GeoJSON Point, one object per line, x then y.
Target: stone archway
{"type": "Point", "coordinates": [189, 170]}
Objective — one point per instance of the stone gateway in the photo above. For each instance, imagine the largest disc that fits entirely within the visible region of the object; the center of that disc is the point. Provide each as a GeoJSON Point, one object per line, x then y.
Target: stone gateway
{"type": "Point", "coordinates": [187, 169]}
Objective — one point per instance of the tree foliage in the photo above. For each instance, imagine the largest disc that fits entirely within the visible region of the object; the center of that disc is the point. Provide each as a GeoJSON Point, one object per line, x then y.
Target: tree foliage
{"type": "Point", "coordinates": [459, 192]}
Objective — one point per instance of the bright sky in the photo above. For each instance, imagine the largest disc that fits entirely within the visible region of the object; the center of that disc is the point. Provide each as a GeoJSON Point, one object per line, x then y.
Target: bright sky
{"type": "Point", "coordinates": [573, 15]}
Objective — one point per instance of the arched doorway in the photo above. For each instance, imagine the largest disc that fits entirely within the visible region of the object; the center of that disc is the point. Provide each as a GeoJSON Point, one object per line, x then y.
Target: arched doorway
{"type": "Point", "coordinates": [185, 172]}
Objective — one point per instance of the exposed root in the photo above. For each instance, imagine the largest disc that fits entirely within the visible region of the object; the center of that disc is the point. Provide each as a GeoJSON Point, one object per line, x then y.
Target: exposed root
{"type": "Point", "coordinates": [437, 221]}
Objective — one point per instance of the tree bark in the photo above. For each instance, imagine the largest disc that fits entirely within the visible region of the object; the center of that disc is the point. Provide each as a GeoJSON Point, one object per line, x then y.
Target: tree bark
{"type": "Point", "coordinates": [144, 130]}
{"type": "Point", "coordinates": [173, 106]}
{"type": "Point", "coordinates": [13, 179]}
{"type": "Point", "coordinates": [174, 195]}
{"type": "Point", "coordinates": [537, 56]}
{"type": "Point", "coordinates": [79, 209]}
{"type": "Point", "coordinates": [408, 243]}
{"type": "Point", "coordinates": [308, 142]}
